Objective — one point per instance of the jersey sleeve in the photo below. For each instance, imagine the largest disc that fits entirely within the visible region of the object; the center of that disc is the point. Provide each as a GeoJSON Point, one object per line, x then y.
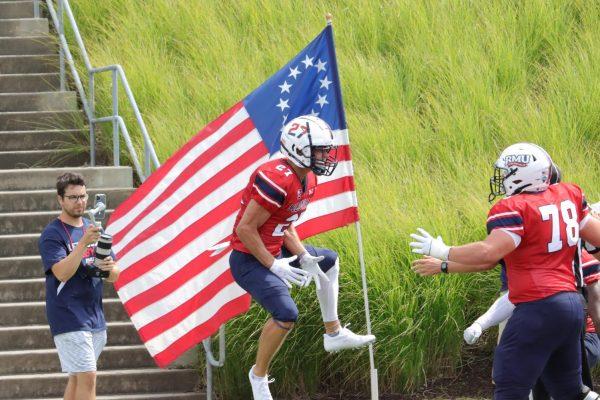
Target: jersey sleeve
{"type": "Point", "coordinates": [506, 217]}
{"type": "Point", "coordinates": [52, 249]}
{"type": "Point", "coordinates": [268, 190]}
{"type": "Point", "coordinates": [590, 267]}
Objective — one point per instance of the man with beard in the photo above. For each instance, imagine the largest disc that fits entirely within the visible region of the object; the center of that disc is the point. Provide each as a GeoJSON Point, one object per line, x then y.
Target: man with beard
{"type": "Point", "coordinates": [73, 295]}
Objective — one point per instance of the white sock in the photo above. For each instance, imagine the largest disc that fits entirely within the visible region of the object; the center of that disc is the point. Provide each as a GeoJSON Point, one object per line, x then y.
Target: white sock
{"type": "Point", "coordinates": [328, 295]}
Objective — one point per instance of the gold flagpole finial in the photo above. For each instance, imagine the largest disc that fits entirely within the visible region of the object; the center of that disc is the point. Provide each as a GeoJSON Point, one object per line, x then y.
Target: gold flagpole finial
{"type": "Point", "coordinates": [329, 18]}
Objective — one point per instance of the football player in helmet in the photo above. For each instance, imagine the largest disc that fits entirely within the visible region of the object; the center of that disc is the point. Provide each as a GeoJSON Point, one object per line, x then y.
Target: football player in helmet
{"type": "Point", "coordinates": [535, 230]}
{"type": "Point", "coordinates": [268, 256]}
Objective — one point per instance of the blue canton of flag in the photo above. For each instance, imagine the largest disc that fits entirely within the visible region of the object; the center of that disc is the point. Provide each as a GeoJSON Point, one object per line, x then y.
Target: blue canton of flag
{"type": "Point", "coordinates": [308, 84]}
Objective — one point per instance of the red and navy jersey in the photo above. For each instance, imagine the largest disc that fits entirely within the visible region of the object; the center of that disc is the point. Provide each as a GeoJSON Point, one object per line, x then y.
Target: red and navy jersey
{"type": "Point", "coordinates": [590, 267]}
{"type": "Point", "coordinates": [275, 187]}
{"type": "Point", "coordinates": [548, 226]}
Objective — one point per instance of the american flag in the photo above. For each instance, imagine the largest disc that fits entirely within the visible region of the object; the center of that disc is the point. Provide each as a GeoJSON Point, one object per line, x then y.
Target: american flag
{"type": "Point", "coordinates": [175, 282]}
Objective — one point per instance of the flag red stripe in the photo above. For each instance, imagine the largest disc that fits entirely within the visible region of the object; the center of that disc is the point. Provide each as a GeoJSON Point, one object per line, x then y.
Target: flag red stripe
{"type": "Point", "coordinates": [343, 153]}
{"type": "Point", "coordinates": [211, 185]}
{"type": "Point", "coordinates": [327, 222]}
{"type": "Point", "coordinates": [162, 171]}
{"type": "Point", "coordinates": [229, 310]}
{"type": "Point", "coordinates": [173, 282]}
{"type": "Point", "coordinates": [175, 316]}
{"type": "Point", "coordinates": [227, 141]}
{"type": "Point", "coordinates": [331, 188]}
{"type": "Point", "coordinates": [147, 263]}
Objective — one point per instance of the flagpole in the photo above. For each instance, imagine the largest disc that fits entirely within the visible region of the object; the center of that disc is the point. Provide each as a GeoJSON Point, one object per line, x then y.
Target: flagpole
{"type": "Point", "coordinates": [363, 272]}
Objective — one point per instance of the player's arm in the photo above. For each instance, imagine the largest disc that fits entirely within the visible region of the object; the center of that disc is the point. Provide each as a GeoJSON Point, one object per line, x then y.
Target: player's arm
{"type": "Point", "coordinates": [247, 230]}
{"type": "Point", "coordinates": [427, 266]}
{"type": "Point", "coordinates": [292, 241]}
{"type": "Point", "coordinates": [486, 252]}
{"type": "Point", "coordinates": [590, 231]}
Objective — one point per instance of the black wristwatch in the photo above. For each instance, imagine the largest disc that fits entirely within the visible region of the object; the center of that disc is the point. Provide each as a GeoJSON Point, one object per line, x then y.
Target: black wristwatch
{"type": "Point", "coordinates": [444, 267]}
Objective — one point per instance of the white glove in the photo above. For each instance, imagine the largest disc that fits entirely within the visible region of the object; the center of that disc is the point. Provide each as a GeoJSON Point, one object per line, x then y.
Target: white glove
{"type": "Point", "coordinates": [429, 246]}
{"type": "Point", "coordinates": [282, 268]}
{"type": "Point", "coordinates": [472, 333]}
{"type": "Point", "coordinates": [310, 264]}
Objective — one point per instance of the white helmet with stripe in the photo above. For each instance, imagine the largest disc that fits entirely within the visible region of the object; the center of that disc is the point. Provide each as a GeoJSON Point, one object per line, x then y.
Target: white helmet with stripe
{"type": "Point", "coordinates": [522, 167]}
{"type": "Point", "coordinates": [307, 142]}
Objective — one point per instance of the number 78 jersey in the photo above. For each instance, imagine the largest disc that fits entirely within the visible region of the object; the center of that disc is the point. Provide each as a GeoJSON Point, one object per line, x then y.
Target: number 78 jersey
{"type": "Point", "coordinates": [546, 225]}
{"type": "Point", "coordinates": [276, 188]}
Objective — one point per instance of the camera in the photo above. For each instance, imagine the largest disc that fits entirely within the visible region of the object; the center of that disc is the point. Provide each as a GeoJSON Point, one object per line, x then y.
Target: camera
{"type": "Point", "coordinates": [102, 251]}
{"type": "Point", "coordinates": [104, 243]}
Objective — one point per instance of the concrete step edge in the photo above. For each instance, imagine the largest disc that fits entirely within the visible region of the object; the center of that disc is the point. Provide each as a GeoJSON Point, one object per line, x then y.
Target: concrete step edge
{"type": "Point", "coordinates": [38, 112]}
{"type": "Point", "coordinates": [40, 74]}
{"type": "Point", "coordinates": [47, 328]}
{"type": "Point", "coordinates": [55, 93]}
{"type": "Point", "coordinates": [43, 303]}
{"type": "Point", "coordinates": [6, 56]}
{"type": "Point", "coordinates": [54, 351]}
{"type": "Point", "coordinates": [22, 19]}
{"type": "Point", "coordinates": [135, 371]}
{"type": "Point", "coordinates": [27, 280]}
{"type": "Point", "coordinates": [32, 152]}
{"type": "Point", "coordinates": [20, 236]}
{"type": "Point", "coordinates": [144, 396]}
{"type": "Point", "coordinates": [38, 213]}
{"type": "Point", "coordinates": [52, 191]}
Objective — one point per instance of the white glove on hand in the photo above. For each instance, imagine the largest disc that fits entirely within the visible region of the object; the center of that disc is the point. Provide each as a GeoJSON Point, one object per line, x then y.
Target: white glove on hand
{"type": "Point", "coordinates": [472, 333]}
{"type": "Point", "coordinates": [282, 268]}
{"type": "Point", "coordinates": [429, 246]}
{"type": "Point", "coordinates": [310, 264]}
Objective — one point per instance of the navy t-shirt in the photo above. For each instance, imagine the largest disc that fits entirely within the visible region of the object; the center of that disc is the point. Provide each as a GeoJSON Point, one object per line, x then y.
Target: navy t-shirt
{"type": "Point", "coordinates": [75, 305]}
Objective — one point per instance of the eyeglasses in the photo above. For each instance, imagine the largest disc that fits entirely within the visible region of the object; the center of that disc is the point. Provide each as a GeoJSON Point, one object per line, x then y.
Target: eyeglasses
{"type": "Point", "coordinates": [75, 198]}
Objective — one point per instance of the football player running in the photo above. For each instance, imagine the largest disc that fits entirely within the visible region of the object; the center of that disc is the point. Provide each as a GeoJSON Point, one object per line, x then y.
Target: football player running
{"type": "Point", "coordinates": [535, 229]}
{"type": "Point", "coordinates": [268, 256]}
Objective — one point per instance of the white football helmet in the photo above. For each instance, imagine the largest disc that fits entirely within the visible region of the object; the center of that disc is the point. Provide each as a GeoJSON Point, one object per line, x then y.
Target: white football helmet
{"type": "Point", "coordinates": [307, 142]}
{"type": "Point", "coordinates": [522, 167]}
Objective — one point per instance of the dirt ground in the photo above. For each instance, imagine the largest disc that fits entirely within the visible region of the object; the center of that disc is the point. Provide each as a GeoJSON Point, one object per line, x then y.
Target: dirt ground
{"type": "Point", "coordinates": [471, 382]}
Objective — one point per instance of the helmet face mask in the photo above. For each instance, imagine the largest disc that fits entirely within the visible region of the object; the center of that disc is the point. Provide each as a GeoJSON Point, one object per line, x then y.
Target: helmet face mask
{"type": "Point", "coordinates": [522, 167]}
{"type": "Point", "coordinates": [307, 142]}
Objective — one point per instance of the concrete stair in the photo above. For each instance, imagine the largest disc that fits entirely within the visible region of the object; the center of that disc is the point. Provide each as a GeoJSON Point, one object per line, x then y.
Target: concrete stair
{"type": "Point", "coordinates": [40, 130]}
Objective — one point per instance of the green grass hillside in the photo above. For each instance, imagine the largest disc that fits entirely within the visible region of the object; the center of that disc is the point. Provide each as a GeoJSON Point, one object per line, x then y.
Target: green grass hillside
{"type": "Point", "coordinates": [433, 91]}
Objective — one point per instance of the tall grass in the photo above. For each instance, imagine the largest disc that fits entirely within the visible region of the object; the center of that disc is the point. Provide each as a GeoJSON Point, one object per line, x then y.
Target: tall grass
{"type": "Point", "coordinates": [433, 91]}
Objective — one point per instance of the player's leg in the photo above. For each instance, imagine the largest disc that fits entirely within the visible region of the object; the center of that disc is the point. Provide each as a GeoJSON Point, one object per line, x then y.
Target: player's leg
{"type": "Point", "coordinates": [336, 337]}
{"type": "Point", "coordinates": [273, 295]}
{"type": "Point", "coordinates": [562, 373]}
{"type": "Point", "coordinates": [592, 349]}
{"type": "Point", "coordinates": [521, 354]}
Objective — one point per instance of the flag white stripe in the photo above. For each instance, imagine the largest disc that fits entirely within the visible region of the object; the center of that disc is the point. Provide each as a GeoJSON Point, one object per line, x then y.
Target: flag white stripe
{"type": "Point", "coordinates": [200, 316]}
{"type": "Point", "coordinates": [227, 157]}
{"type": "Point", "coordinates": [328, 205]}
{"type": "Point", "coordinates": [181, 294]}
{"type": "Point", "coordinates": [178, 260]}
{"type": "Point", "coordinates": [178, 168]}
{"type": "Point", "coordinates": [199, 210]}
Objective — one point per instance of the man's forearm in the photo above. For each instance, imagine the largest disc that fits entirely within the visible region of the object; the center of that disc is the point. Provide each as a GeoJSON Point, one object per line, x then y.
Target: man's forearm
{"type": "Point", "coordinates": [474, 254]}
{"type": "Point", "coordinates": [593, 294]}
{"type": "Point", "coordinates": [292, 241]}
{"type": "Point", "coordinates": [251, 239]}
{"type": "Point", "coordinates": [458, 268]}
{"type": "Point", "coordinates": [66, 268]}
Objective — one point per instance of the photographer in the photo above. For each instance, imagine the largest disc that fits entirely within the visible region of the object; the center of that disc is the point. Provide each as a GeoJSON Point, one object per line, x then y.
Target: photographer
{"type": "Point", "coordinates": [73, 294]}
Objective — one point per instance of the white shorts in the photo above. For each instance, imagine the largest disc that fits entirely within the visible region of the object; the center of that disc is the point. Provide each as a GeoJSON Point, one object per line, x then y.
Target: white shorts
{"type": "Point", "coordinates": [78, 351]}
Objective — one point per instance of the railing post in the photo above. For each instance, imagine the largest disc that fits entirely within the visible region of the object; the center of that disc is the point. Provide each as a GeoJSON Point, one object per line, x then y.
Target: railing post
{"type": "Point", "coordinates": [115, 104]}
{"type": "Point", "coordinates": [36, 8]}
{"type": "Point", "coordinates": [61, 31]}
{"type": "Point", "coordinates": [92, 108]}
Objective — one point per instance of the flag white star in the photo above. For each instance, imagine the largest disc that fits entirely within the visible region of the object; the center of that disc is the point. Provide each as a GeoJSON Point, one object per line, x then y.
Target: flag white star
{"type": "Point", "coordinates": [285, 88]}
{"type": "Point", "coordinates": [294, 72]}
{"type": "Point", "coordinates": [322, 101]}
{"type": "Point", "coordinates": [284, 119]}
{"type": "Point", "coordinates": [320, 65]}
{"type": "Point", "coordinates": [325, 83]}
{"type": "Point", "coordinates": [314, 113]}
{"type": "Point", "coordinates": [283, 104]}
{"type": "Point", "coordinates": [308, 62]}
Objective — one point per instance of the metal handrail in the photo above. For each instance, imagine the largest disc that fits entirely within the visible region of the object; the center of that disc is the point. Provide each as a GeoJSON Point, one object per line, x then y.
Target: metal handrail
{"type": "Point", "coordinates": [119, 128]}
{"type": "Point", "coordinates": [88, 101]}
